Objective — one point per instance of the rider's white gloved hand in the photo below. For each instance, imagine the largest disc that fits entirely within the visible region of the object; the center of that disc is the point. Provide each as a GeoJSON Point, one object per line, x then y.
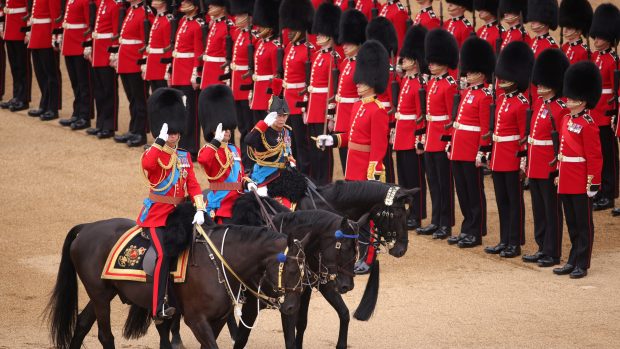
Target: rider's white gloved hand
{"type": "Point", "coordinates": [270, 119]}
{"type": "Point", "coordinates": [262, 191]}
{"type": "Point", "coordinates": [199, 218]}
{"type": "Point", "coordinates": [219, 133]}
{"type": "Point", "coordinates": [163, 134]}
{"type": "Point", "coordinates": [252, 186]}
{"type": "Point", "coordinates": [324, 141]}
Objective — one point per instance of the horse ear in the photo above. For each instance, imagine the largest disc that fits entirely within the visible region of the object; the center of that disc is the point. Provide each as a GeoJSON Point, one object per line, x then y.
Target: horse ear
{"type": "Point", "coordinates": [363, 220]}
{"type": "Point", "coordinates": [406, 194]}
{"type": "Point", "coordinates": [305, 239]}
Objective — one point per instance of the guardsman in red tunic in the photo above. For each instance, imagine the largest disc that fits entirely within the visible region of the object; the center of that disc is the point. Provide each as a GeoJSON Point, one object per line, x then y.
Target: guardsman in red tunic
{"type": "Point", "coordinates": [396, 13]}
{"type": "Point", "coordinates": [76, 31]}
{"type": "Point", "coordinates": [2, 58]}
{"type": "Point", "coordinates": [606, 59]}
{"type": "Point", "coordinates": [158, 51]}
{"type": "Point", "coordinates": [220, 158]}
{"type": "Point", "coordinates": [575, 19]}
{"type": "Point", "coordinates": [492, 30]}
{"type": "Point", "coordinates": [410, 164]}
{"type": "Point", "coordinates": [215, 51]}
{"type": "Point", "coordinates": [45, 61]}
{"type": "Point", "coordinates": [321, 89]}
{"type": "Point", "coordinates": [507, 164]}
{"type": "Point", "coordinates": [442, 53]}
{"type": "Point", "coordinates": [170, 175]}
{"type": "Point", "coordinates": [14, 12]}
{"type": "Point", "coordinates": [427, 17]}
{"type": "Point", "coordinates": [458, 25]}
{"type": "Point", "coordinates": [580, 165]}
{"type": "Point", "coordinates": [296, 16]}
{"type": "Point", "coordinates": [364, 6]}
{"type": "Point", "coordinates": [105, 29]}
{"type": "Point", "coordinates": [512, 12]}
{"type": "Point", "coordinates": [542, 16]}
{"type": "Point", "coordinates": [471, 141]}
{"type": "Point", "coordinates": [352, 33]}
{"type": "Point", "coordinates": [549, 114]}
{"type": "Point", "coordinates": [188, 46]}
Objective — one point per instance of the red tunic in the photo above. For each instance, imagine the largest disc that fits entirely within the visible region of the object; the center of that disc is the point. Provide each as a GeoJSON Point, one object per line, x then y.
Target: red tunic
{"type": "Point", "coordinates": [346, 96]}
{"type": "Point", "coordinates": [576, 51]}
{"type": "Point", "coordinates": [516, 33]}
{"type": "Point", "coordinates": [42, 22]}
{"type": "Point", "coordinates": [265, 67]}
{"type": "Point", "coordinates": [581, 144]}
{"type": "Point", "coordinates": [407, 113]}
{"type": "Point", "coordinates": [187, 50]}
{"type": "Point", "coordinates": [509, 129]}
{"type": "Point", "coordinates": [132, 39]}
{"type": "Point", "coordinates": [14, 12]}
{"type": "Point", "coordinates": [215, 52]}
{"type": "Point", "coordinates": [321, 84]}
{"type": "Point", "coordinates": [240, 63]}
{"type": "Point", "coordinates": [159, 38]}
{"type": "Point", "coordinates": [540, 147]}
{"type": "Point", "coordinates": [397, 14]}
{"type": "Point", "coordinates": [106, 26]}
{"type": "Point", "coordinates": [296, 56]}
{"type": "Point", "coordinates": [369, 128]}
{"type": "Point", "coordinates": [427, 18]}
{"type": "Point", "coordinates": [461, 28]}
{"type": "Point", "coordinates": [606, 63]}
{"type": "Point", "coordinates": [364, 6]}
{"type": "Point", "coordinates": [76, 23]}
{"type": "Point", "coordinates": [439, 100]}
{"type": "Point", "coordinates": [543, 42]}
{"type": "Point", "coordinates": [489, 32]}
{"type": "Point", "coordinates": [471, 124]}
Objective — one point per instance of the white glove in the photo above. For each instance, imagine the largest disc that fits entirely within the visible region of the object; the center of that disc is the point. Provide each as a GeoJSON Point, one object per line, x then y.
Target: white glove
{"type": "Point", "coordinates": [523, 164]}
{"type": "Point", "coordinates": [324, 141]}
{"type": "Point", "coordinates": [447, 149]}
{"type": "Point", "coordinates": [479, 156]}
{"type": "Point", "coordinates": [27, 38]}
{"type": "Point", "coordinates": [591, 194]}
{"type": "Point", "coordinates": [219, 133]}
{"type": "Point", "coordinates": [292, 164]}
{"type": "Point", "coordinates": [163, 134]}
{"type": "Point", "coordinates": [252, 186]}
{"type": "Point", "coordinates": [87, 52]}
{"type": "Point", "coordinates": [2, 29]}
{"type": "Point", "coordinates": [199, 218]}
{"type": "Point", "coordinates": [262, 191]}
{"type": "Point", "coordinates": [167, 73]}
{"type": "Point", "coordinates": [194, 77]}
{"type": "Point", "coordinates": [270, 119]}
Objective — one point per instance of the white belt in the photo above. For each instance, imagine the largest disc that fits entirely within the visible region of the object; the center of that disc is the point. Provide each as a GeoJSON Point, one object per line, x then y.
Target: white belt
{"type": "Point", "coordinates": [208, 58]}
{"type": "Point", "coordinates": [563, 158]}
{"type": "Point", "coordinates": [437, 117]}
{"type": "Point", "coordinates": [313, 89]}
{"type": "Point", "coordinates": [10, 11]}
{"type": "Point", "coordinates": [607, 91]}
{"type": "Point", "coordinates": [102, 35]}
{"type": "Point", "coordinates": [297, 85]}
{"type": "Point", "coordinates": [156, 51]}
{"type": "Point", "coordinates": [346, 99]}
{"type": "Point", "coordinates": [257, 77]}
{"type": "Point", "coordinates": [500, 139]}
{"type": "Point", "coordinates": [40, 20]}
{"type": "Point", "coordinates": [235, 67]}
{"type": "Point", "coordinates": [176, 54]}
{"type": "Point", "coordinates": [534, 141]}
{"type": "Point", "coordinates": [400, 116]}
{"type": "Point", "coordinates": [74, 26]}
{"type": "Point", "coordinates": [129, 42]}
{"type": "Point", "coordinates": [461, 127]}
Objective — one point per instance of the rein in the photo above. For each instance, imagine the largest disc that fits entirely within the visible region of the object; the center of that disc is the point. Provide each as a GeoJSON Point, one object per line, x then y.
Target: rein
{"type": "Point", "coordinates": [263, 211]}
{"type": "Point", "coordinates": [311, 192]}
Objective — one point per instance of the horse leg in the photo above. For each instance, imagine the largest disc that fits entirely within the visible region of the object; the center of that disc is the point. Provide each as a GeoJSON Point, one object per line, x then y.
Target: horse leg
{"type": "Point", "coordinates": [175, 327]}
{"type": "Point", "coordinates": [219, 325]}
{"type": "Point", "coordinates": [164, 334]}
{"type": "Point", "coordinates": [84, 323]}
{"type": "Point", "coordinates": [102, 310]}
{"type": "Point", "coordinates": [335, 300]}
{"type": "Point", "coordinates": [249, 312]}
{"type": "Point", "coordinates": [232, 326]}
{"type": "Point", "coordinates": [288, 328]}
{"type": "Point", "coordinates": [203, 332]}
{"type": "Point", "coordinates": [302, 317]}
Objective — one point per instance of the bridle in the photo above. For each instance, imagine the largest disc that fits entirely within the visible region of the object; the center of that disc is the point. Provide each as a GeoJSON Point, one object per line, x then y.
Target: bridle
{"type": "Point", "coordinates": [300, 258]}
{"type": "Point", "coordinates": [386, 234]}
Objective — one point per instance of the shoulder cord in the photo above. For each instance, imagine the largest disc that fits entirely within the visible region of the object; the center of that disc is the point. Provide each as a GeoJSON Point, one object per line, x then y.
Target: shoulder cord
{"type": "Point", "coordinates": [171, 164]}
{"type": "Point", "coordinates": [223, 167]}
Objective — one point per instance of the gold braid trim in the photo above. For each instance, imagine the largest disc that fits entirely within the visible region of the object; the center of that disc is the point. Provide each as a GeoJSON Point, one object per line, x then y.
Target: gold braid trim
{"type": "Point", "coordinates": [200, 203]}
{"type": "Point", "coordinates": [278, 150]}
{"type": "Point", "coordinates": [223, 166]}
{"type": "Point", "coordinates": [153, 186]}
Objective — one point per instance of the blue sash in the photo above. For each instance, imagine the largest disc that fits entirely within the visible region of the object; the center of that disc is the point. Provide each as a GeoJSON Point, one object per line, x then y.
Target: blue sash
{"type": "Point", "coordinates": [172, 177]}
{"type": "Point", "coordinates": [260, 173]}
{"type": "Point", "coordinates": [214, 198]}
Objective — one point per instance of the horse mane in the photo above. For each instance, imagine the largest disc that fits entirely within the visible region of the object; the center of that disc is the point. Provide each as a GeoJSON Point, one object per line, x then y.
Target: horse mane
{"type": "Point", "coordinates": [351, 193]}
{"type": "Point", "coordinates": [179, 228]}
{"type": "Point", "coordinates": [311, 220]}
{"type": "Point", "coordinates": [242, 233]}
{"type": "Point", "coordinates": [246, 210]}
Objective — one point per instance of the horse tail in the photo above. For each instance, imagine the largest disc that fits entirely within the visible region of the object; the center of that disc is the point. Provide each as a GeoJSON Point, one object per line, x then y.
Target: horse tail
{"type": "Point", "coordinates": [62, 309]}
{"type": "Point", "coordinates": [137, 323]}
{"type": "Point", "coordinates": [371, 293]}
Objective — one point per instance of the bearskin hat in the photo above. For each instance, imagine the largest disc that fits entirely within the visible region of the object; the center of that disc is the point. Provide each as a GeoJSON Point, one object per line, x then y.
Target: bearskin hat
{"type": "Point", "coordinates": [223, 3]}
{"type": "Point", "coordinates": [278, 105]}
{"type": "Point", "coordinates": [352, 27]}
{"type": "Point", "coordinates": [265, 14]}
{"type": "Point", "coordinates": [166, 105]}
{"type": "Point", "coordinates": [549, 69]}
{"type": "Point", "coordinates": [583, 82]}
{"type": "Point", "coordinates": [238, 7]}
{"type": "Point", "coordinates": [216, 105]}
{"type": "Point", "coordinates": [512, 6]}
{"type": "Point", "coordinates": [477, 56]}
{"type": "Point", "coordinates": [486, 5]}
{"type": "Point", "coordinates": [327, 20]}
{"type": "Point", "coordinates": [576, 14]}
{"type": "Point", "coordinates": [373, 66]}
{"type": "Point", "coordinates": [515, 64]}
{"type": "Point", "coordinates": [467, 4]}
{"type": "Point", "coordinates": [296, 15]}
{"type": "Point", "coordinates": [441, 48]}
{"type": "Point", "coordinates": [382, 30]}
{"type": "Point", "coordinates": [543, 11]}
{"type": "Point", "coordinates": [413, 46]}
{"type": "Point", "coordinates": [605, 23]}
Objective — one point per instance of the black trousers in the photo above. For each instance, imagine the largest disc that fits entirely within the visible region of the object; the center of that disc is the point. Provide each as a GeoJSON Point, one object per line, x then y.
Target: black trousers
{"type": "Point", "coordinates": [45, 62]}
{"type": "Point", "coordinates": [609, 174]}
{"type": "Point", "coordinates": [469, 183]}
{"type": "Point", "coordinates": [321, 161]}
{"type": "Point", "coordinates": [2, 68]}
{"type": "Point", "coordinates": [343, 158]}
{"type": "Point", "coordinates": [245, 123]}
{"type": "Point", "coordinates": [300, 143]}
{"type": "Point", "coordinates": [78, 69]}
{"type": "Point", "coordinates": [510, 206]}
{"type": "Point", "coordinates": [410, 167]}
{"type": "Point", "coordinates": [388, 165]}
{"type": "Point", "coordinates": [578, 212]}
{"type": "Point", "coordinates": [439, 177]}
{"type": "Point", "coordinates": [155, 84]}
{"type": "Point", "coordinates": [137, 93]}
{"type": "Point", "coordinates": [21, 70]}
{"type": "Point", "coordinates": [105, 91]}
{"type": "Point", "coordinates": [190, 140]}
{"type": "Point", "coordinates": [161, 273]}
{"type": "Point", "coordinates": [547, 213]}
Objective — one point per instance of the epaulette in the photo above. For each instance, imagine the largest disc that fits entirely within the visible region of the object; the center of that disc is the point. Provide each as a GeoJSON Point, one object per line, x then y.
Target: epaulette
{"type": "Point", "coordinates": [400, 6]}
{"type": "Point", "coordinates": [523, 99]}
{"type": "Point", "coordinates": [467, 22]}
{"type": "Point", "coordinates": [309, 45]}
{"type": "Point", "coordinates": [614, 55]}
{"type": "Point", "coordinates": [169, 16]}
{"type": "Point", "coordinates": [451, 80]}
{"type": "Point", "coordinates": [200, 21]}
{"type": "Point", "coordinates": [432, 14]}
{"type": "Point", "coordinates": [561, 103]}
{"type": "Point", "coordinates": [487, 91]}
{"type": "Point", "coordinates": [379, 103]}
{"type": "Point", "coordinates": [229, 23]}
{"type": "Point", "coordinates": [585, 46]}
{"type": "Point", "coordinates": [276, 42]}
{"type": "Point", "coordinates": [551, 40]}
{"type": "Point", "coordinates": [588, 118]}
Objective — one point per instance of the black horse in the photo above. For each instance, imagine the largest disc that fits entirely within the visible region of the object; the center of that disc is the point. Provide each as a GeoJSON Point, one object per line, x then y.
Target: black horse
{"type": "Point", "coordinates": [256, 254]}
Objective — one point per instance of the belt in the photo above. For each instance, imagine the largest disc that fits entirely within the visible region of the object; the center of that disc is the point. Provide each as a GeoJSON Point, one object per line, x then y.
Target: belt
{"type": "Point", "coordinates": [176, 54]}
{"type": "Point", "coordinates": [359, 147]}
{"type": "Point", "coordinates": [346, 99]}
{"type": "Point", "coordinates": [74, 26]}
{"type": "Point", "coordinates": [235, 67]}
{"type": "Point", "coordinates": [173, 200]}
{"type": "Point", "coordinates": [156, 51]}
{"type": "Point", "coordinates": [10, 11]}
{"type": "Point", "coordinates": [607, 91]}
{"type": "Point", "coordinates": [226, 186]}
{"type": "Point", "coordinates": [462, 127]}
{"type": "Point", "coordinates": [437, 117]}
{"type": "Point", "coordinates": [257, 77]}
{"type": "Point", "coordinates": [534, 141]}
{"type": "Point", "coordinates": [208, 58]}
{"type": "Point", "coordinates": [102, 35]}
{"type": "Point", "coordinates": [291, 85]}
{"type": "Point", "coordinates": [400, 116]}
{"type": "Point", "coordinates": [313, 89]}
{"type": "Point", "coordinates": [129, 42]}
{"type": "Point", "coordinates": [386, 104]}
{"type": "Point", "coordinates": [563, 158]}
{"type": "Point", "coordinates": [40, 20]}
{"type": "Point", "coordinates": [500, 139]}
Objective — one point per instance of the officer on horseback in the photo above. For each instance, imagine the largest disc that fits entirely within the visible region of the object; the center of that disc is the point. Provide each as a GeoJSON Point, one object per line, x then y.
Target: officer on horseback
{"type": "Point", "coordinates": [169, 173]}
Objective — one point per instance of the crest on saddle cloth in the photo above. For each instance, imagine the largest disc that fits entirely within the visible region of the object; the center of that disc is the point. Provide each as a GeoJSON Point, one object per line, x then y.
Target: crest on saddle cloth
{"type": "Point", "coordinates": [126, 259]}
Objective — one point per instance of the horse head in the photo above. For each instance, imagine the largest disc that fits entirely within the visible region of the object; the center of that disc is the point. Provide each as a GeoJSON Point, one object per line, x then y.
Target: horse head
{"type": "Point", "coordinates": [390, 219]}
{"type": "Point", "coordinates": [344, 252]}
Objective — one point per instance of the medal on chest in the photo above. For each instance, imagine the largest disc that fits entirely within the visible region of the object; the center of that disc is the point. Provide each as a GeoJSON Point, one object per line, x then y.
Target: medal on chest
{"type": "Point", "coordinates": [183, 166]}
{"type": "Point", "coordinates": [575, 128]}
{"type": "Point", "coordinates": [470, 99]}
